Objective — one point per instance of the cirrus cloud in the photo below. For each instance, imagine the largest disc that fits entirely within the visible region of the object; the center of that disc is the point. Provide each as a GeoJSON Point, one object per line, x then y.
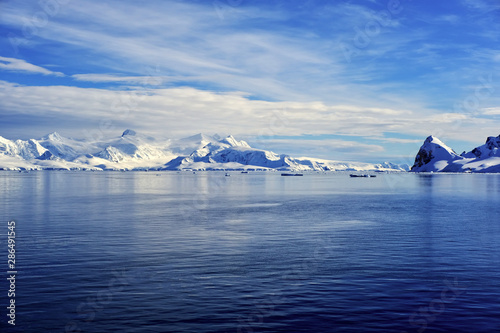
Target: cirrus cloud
{"type": "Point", "coordinates": [19, 65]}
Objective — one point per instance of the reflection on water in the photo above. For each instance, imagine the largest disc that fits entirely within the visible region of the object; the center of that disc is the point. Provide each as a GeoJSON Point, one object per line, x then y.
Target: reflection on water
{"type": "Point", "coordinates": [183, 252]}
{"type": "Point", "coordinates": [465, 184]}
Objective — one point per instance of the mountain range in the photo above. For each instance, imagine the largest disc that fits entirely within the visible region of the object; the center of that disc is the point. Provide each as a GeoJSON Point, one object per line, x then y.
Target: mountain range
{"type": "Point", "coordinates": [135, 151]}
{"type": "Point", "coordinates": [435, 156]}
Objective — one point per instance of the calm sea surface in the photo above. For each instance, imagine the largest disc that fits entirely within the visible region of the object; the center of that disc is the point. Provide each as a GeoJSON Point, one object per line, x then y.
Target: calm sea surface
{"type": "Point", "coordinates": [257, 252]}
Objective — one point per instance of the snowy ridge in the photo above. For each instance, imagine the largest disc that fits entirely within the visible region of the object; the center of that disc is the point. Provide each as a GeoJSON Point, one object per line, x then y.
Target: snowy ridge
{"type": "Point", "coordinates": [435, 156]}
{"type": "Point", "coordinates": [25, 150]}
{"type": "Point", "coordinates": [134, 151]}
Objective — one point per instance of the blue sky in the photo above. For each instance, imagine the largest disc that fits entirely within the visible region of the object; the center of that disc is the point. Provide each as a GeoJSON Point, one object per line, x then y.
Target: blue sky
{"type": "Point", "coordinates": [343, 80]}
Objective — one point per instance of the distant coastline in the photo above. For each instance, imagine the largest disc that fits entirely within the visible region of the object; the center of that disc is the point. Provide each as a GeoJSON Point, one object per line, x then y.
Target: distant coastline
{"type": "Point", "coordinates": [133, 151]}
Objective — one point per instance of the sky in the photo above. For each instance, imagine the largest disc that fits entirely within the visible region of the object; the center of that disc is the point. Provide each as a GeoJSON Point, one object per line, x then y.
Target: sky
{"type": "Point", "coordinates": [354, 80]}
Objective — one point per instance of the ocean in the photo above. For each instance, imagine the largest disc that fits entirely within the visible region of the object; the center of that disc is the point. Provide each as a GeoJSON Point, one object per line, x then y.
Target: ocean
{"type": "Point", "coordinates": [257, 252]}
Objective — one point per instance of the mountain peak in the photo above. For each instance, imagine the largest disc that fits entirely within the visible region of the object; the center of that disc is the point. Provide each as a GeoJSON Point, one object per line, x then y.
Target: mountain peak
{"type": "Point", "coordinates": [433, 139]}
{"type": "Point", "coordinates": [129, 132]}
{"type": "Point", "coordinates": [493, 141]}
{"type": "Point", "coordinates": [135, 151]}
{"type": "Point", "coordinates": [200, 137]}
{"type": "Point", "coordinates": [431, 153]}
{"type": "Point", "coordinates": [54, 136]}
{"type": "Point", "coordinates": [434, 142]}
{"type": "Point", "coordinates": [489, 149]}
{"type": "Point", "coordinates": [230, 140]}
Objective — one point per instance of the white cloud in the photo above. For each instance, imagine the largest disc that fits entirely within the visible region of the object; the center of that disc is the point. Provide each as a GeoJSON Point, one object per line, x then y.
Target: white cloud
{"type": "Point", "coordinates": [482, 5]}
{"type": "Point", "coordinates": [406, 80]}
{"type": "Point", "coordinates": [326, 148]}
{"type": "Point", "coordinates": [19, 65]}
{"type": "Point", "coordinates": [183, 111]}
{"type": "Point", "coordinates": [142, 80]}
{"type": "Point", "coordinates": [193, 44]}
{"type": "Point", "coordinates": [491, 111]}
{"type": "Point", "coordinates": [397, 140]}
{"type": "Point", "coordinates": [191, 41]}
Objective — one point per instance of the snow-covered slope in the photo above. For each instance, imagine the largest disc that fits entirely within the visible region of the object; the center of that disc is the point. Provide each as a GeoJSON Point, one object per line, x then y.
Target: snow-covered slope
{"type": "Point", "coordinates": [228, 150]}
{"type": "Point", "coordinates": [435, 156]}
{"type": "Point", "coordinates": [25, 150]}
{"type": "Point", "coordinates": [228, 153]}
{"type": "Point", "coordinates": [135, 151]}
{"type": "Point", "coordinates": [490, 149]}
{"type": "Point", "coordinates": [132, 146]}
{"type": "Point", "coordinates": [53, 151]}
{"type": "Point", "coordinates": [328, 165]}
{"type": "Point", "coordinates": [187, 145]}
{"type": "Point", "coordinates": [65, 148]}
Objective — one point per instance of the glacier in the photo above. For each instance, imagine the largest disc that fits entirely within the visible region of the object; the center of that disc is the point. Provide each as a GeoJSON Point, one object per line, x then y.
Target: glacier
{"type": "Point", "coordinates": [435, 156]}
{"type": "Point", "coordinates": [135, 151]}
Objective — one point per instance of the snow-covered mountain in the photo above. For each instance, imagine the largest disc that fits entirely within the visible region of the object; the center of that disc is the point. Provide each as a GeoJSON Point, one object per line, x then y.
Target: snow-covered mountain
{"type": "Point", "coordinates": [435, 156]}
{"type": "Point", "coordinates": [215, 154]}
{"type": "Point", "coordinates": [65, 148]}
{"type": "Point", "coordinates": [26, 150]}
{"type": "Point", "coordinates": [132, 146]}
{"type": "Point", "coordinates": [135, 151]}
{"type": "Point", "coordinates": [187, 145]}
